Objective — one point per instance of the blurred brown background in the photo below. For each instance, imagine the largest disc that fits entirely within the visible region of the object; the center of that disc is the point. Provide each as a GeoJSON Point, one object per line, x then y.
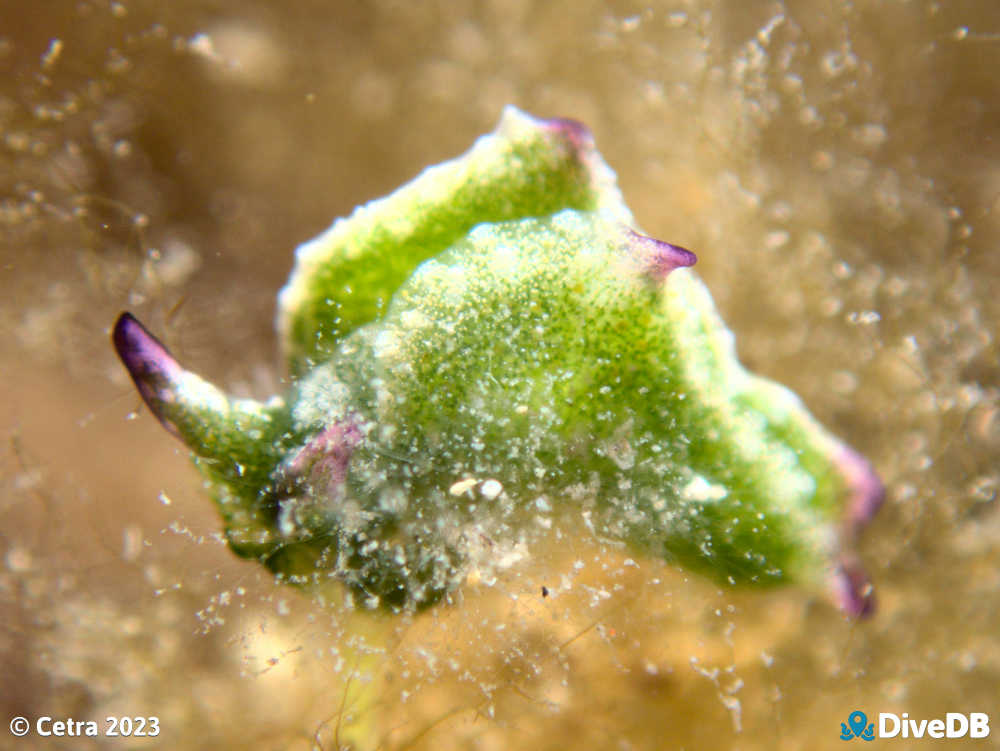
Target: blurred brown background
{"type": "Point", "coordinates": [835, 165]}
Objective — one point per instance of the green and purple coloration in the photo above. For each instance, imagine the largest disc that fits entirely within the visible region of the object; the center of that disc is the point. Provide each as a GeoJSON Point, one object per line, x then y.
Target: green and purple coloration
{"type": "Point", "coordinates": [536, 359]}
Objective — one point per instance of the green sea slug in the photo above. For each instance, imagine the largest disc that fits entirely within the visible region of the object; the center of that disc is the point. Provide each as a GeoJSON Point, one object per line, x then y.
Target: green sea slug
{"type": "Point", "coordinates": [489, 350]}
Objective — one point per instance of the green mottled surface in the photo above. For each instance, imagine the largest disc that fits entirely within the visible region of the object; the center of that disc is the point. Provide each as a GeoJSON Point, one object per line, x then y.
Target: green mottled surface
{"type": "Point", "coordinates": [345, 275]}
{"type": "Point", "coordinates": [535, 353]}
{"type": "Point", "coordinates": [489, 353]}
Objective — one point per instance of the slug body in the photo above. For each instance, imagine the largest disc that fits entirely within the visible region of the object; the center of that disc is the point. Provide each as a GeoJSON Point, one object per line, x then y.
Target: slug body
{"type": "Point", "coordinates": [536, 359]}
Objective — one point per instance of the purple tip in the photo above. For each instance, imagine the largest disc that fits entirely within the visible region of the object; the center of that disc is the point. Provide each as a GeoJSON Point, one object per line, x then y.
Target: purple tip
{"type": "Point", "coordinates": [659, 258]}
{"type": "Point", "coordinates": [852, 589]}
{"type": "Point", "coordinates": [325, 458]}
{"type": "Point", "coordinates": [575, 133]}
{"type": "Point", "coordinates": [153, 369]}
{"type": "Point", "coordinates": [866, 492]}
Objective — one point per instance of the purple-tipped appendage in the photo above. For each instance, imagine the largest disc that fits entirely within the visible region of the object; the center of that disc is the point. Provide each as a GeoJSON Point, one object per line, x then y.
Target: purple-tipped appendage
{"type": "Point", "coordinates": [331, 448]}
{"type": "Point", "coordinates": [153, 369]}
{"type": "Point", "coordinates": [866, 492]}
{"type": "Point", "coordinates": [324, 459]}
{"type": "Point", "coordinates": [852, 589]}
{"type": "Point", "coordinates": [576, 133]}
{"type": "Point", "coordinates": [658, 258]}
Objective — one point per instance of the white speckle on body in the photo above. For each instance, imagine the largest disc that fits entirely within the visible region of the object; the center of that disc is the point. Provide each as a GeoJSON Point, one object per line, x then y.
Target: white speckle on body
{"type": "Point", "coordinates": [491, 489]}
{"type": "Point", "coordinates": [463, 486]}
{"type": "Point", "coordinates": [700, 489]}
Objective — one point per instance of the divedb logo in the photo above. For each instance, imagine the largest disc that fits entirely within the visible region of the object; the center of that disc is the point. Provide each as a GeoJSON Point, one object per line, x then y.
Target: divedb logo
{"type": "Point", "coordinates": [889, 725]}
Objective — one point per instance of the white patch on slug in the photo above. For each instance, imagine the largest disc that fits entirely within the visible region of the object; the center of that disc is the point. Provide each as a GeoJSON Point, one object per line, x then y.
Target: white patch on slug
{"type": "Point", "coordinates": [700, 489]}
{"type": "Point", "coordinates": [491, 489]}
{"type": "Point", "coordinates": [462, 486]}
